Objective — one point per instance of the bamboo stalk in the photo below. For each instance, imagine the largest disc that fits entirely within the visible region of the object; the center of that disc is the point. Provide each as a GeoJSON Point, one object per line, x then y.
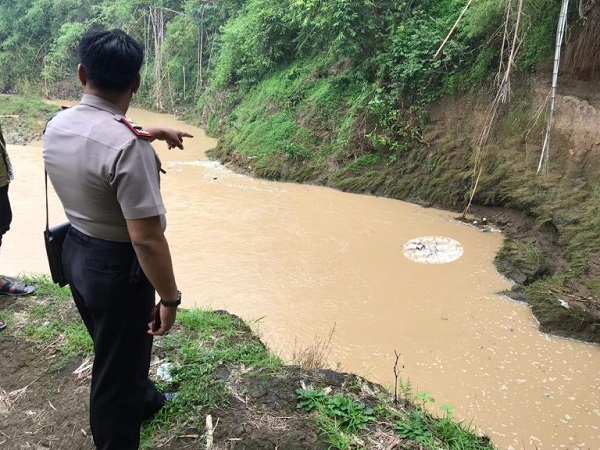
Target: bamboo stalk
{"type": "Point", "coordinates": [562, 20]}
{"type": "Point", "coordinates": [453, 28]}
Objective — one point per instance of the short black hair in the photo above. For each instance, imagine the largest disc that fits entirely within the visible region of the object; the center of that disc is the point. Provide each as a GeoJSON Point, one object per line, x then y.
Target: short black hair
{"type": "Point", "coordinates": [111, 59]}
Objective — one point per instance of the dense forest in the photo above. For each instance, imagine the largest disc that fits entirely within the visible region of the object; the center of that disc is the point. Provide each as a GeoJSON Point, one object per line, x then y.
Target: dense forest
{"type": "Point", "coordinates": [375, 51]}
{"type": "Point", "coordinates": [349, 93]}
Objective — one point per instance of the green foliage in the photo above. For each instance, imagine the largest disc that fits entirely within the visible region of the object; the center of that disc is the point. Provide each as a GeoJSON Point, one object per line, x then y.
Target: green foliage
{"type": "Point", "coordinates": [36, 38]}
{"type": "Point", "coordinates": [364, 161]}
{"type": "Point", "coordinates": [408, 64]}
{"type": "Point", "coordinates": [541, 18]}
{"type": "Point", "coordinates": [544, 299]}
{"type": "Point", "coordinates": [349, 415]}
{"type": "Point", "coordinates": [416, 428]}
{"type": "Point", "coordinates": [60, 61]}
{"type": "Point", "coordinates": [71, 339]}
{"type": "Point", "coordinates": [182, 58]}
{"type": "Point", "coordinates": [342, 27]}
{"type": "Point", "coordinates": [24, 119]}
{"type": "Point", "coordinates": [442, 433]}
{"type": "Point", "coordinates": [240, 43]}
{"type": "Point", "coordinates": [483, 19]}
{"type": "Point", "coordinates": [424, 398]}
{"type": "Point", "coordinates": [310, 399]}
{"type": "Point", "coordinates": [340, 413]}
{"type": "Point", "coordinates": [293, 116]}
{"type": "Point", "coordinates": [253, 43]}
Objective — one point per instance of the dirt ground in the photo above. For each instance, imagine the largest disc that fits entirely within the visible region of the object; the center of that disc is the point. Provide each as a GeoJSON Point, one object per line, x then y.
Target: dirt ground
{"type": "Point", "coordinates": [44, 405]}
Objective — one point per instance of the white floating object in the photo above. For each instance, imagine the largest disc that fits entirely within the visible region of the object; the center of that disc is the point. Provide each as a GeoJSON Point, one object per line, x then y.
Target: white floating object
{"type": "Point", "coordinates": [433, 250]}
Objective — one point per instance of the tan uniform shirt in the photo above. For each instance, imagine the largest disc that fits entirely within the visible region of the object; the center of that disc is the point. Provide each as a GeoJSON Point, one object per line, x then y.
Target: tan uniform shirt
{"type": "Point", "coordinates": [102, 172]}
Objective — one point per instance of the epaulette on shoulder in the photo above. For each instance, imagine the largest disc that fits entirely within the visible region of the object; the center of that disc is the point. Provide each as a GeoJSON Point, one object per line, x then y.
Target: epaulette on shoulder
{"type": "Point", "coordinates": [135, 128]}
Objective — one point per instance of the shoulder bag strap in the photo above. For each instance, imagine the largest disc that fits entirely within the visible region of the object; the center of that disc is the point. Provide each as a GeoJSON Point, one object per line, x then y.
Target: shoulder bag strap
{"type": "Point", "coordinates": [46, 182]}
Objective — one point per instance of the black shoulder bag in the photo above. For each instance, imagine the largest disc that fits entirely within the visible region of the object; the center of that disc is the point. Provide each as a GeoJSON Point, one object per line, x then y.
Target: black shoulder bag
{"type": "Point", "coordinates": [54, 238]}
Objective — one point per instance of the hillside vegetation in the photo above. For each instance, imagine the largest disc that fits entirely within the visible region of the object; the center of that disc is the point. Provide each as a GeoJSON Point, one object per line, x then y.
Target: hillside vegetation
{"type": "Point", "coordinates": [442, 102]}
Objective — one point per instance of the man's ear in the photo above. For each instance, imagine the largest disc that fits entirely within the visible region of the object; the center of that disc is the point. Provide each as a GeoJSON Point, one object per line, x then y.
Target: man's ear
{"type": "Point", "coordinates": [136, 84]}
{"type": "Point", "coordinates": [82, 75]}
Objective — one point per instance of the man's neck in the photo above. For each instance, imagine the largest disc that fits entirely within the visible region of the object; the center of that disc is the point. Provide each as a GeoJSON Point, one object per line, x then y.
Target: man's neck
{"type": "Point", "coordinates": [120, 100]}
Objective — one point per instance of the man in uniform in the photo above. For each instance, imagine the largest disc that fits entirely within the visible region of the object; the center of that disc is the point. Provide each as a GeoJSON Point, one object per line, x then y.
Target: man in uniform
{"type": "Point", "coordinates": [115, 256]}
{"type": "Point", "coordinates": [7, 287]}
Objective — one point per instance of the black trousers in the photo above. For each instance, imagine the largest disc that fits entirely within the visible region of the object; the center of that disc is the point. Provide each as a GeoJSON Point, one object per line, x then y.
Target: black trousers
{"type": "Point", "coordinates": [5, 212]}
{"type": "Point", "coordinates": [115, 300]}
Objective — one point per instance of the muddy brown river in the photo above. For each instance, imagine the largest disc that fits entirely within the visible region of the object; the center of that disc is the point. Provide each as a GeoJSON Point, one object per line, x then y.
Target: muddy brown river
{"type": "Point", "coordinates": [299, 262]}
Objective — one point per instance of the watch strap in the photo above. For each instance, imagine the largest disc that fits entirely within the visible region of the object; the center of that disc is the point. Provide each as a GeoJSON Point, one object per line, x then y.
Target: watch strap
{"type": "Point", "coordinates": [171, 304]}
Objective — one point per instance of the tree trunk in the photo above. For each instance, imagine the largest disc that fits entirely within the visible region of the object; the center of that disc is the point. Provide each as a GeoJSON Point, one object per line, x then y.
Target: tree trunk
{"type": "Point", "coordinates": [201, 31]}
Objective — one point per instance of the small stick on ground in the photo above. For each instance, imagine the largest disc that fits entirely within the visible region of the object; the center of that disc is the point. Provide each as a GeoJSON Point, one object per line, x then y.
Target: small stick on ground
{"type": "Point", "coordinates": [396, 376]}
{"type": "Point", "coordinates": [209, 432]}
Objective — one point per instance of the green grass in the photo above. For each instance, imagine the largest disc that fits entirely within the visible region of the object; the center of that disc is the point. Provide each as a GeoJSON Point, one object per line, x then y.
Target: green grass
{"type": "Point", "coordinates": [338, 416]}
{"type": "Point", "coordinates": [53, 322]}
{"type": "Point", "coordinates": [25, 118]}
{"type": "Point", "coordinates": [45, 286]}
{"type": "Point", "coordinates": [341, 421]}
{"type": "Point", "coordinates": [295, 116]}
{"type": "Point", "coordinates": [571, 322]}
{"type": "Point", "coordinates": [201, 343]}
{"type": "Point", "coordinates": [29, 107]}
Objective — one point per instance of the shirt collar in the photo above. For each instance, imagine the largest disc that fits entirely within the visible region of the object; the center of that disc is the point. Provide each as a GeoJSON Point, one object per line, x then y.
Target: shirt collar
{"type": "Point", "coordinates": [98, 102]}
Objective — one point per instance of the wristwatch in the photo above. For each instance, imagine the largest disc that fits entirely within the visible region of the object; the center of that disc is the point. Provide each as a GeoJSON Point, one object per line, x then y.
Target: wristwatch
{"type": "Point", "coordinates": [171, 304]}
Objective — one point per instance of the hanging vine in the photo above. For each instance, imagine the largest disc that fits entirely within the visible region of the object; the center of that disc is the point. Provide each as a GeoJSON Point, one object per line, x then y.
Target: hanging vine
{"type": "Point", "coordinates": [157, 24]}
{"type": "Point", "coordinates": [510, 48]}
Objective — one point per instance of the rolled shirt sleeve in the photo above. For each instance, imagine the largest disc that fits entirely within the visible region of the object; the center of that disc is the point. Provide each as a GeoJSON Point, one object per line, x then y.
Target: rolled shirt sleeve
{"type": "Point", "coordinates": [135, 179]}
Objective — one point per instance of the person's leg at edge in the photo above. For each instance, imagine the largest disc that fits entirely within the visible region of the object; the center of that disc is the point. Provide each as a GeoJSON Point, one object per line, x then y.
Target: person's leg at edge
{"type": "Point", "coordinates": [9, 287]}
{"type": "Point", "coordinates": [116, 312]}
{"type": "Point", "coordinates": [5, 212]}
{"type": "Point", "coordinates": [5, 219]}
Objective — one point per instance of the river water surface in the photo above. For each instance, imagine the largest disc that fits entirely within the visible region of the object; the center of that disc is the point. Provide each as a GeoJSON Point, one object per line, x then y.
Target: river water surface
{"type": "Point", "coordinates": [303, 261]}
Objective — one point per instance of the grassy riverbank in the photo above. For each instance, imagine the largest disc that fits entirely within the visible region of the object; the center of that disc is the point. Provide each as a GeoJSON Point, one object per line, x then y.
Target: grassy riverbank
{"type": "Point", "coordinates": [232, 389]}
{"type": "Point", "coordinates": [23, 118]}
{"type": "Point", "coordinates": [550, 220]}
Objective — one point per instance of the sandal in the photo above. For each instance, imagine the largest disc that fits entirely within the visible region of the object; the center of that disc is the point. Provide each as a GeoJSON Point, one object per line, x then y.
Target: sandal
{"type": "Point", "coordinates": [2, 325]}
{"type": "Point", "coordinates": [10, 288]}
